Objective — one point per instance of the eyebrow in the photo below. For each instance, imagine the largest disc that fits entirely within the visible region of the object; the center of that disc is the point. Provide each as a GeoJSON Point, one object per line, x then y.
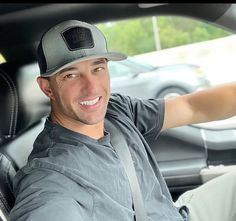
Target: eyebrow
{"type": "Point", "coordinates": [66, 69]}
{"type": "Point", "coordinates": [99, 61]}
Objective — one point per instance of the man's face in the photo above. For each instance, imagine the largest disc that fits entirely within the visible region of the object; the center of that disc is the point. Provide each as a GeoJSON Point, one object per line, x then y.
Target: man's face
{"type": "Point", "coordinates": [80, 92]}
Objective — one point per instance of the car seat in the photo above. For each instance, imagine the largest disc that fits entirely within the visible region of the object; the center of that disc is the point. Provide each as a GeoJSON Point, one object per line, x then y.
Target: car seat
{"type": "Point", "coordinates": [20, 122]}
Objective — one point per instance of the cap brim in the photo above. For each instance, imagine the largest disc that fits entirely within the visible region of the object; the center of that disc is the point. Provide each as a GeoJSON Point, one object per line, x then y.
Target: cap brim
{"type": "Point", "coordinates": [111, 56]}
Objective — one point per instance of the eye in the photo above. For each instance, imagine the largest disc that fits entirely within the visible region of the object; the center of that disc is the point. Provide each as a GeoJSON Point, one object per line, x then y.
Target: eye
{"type": "Point", "coordinates": [98, 69]}
{"type": "Point", "coordinates": [69, 76]}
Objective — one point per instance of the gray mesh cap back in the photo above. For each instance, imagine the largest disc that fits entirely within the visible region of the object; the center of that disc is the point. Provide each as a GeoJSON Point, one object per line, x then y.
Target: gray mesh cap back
{"type": "Point", "coordinates": [69, 42]}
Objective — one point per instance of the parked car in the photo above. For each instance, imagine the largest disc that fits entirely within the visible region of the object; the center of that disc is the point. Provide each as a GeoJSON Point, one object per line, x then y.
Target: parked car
{"type": "Point", "coordinates": [133, 77]}
{"type": "Point", "coordinates": [188, 156]}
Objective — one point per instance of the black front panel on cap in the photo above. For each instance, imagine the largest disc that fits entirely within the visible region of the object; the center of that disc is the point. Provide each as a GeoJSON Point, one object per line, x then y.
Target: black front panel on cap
{"type": "Point", "coordinates": [78, 38]}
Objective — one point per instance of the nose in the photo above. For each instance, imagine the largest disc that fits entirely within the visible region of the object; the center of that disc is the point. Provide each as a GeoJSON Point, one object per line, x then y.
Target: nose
{"type": "Point", "coordinates": [89, 83]}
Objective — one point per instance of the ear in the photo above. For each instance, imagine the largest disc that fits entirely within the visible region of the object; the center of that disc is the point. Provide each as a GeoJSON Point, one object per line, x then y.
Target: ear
{"type": "Point", "coordinates": [45, 87]}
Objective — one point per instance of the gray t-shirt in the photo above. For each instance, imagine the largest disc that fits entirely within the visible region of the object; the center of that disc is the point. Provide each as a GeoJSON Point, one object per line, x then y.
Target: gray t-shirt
{"type": "Point", "coordinates": [72, 177]}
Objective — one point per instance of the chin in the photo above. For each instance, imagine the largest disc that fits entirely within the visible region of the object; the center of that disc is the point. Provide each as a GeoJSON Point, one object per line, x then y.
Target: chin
{"type": "Point", "coordinates": [93, 121]}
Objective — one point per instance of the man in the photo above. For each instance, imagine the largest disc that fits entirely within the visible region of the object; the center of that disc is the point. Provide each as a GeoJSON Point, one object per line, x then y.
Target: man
{"type": "Point", "coordinates": [73, 172]}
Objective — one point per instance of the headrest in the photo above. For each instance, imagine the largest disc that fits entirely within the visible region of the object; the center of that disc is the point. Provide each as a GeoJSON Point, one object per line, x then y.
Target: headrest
{"type": "Point", "coordinates": [8, 110]}
{"type": "Point", "coordinates": [22, 102]}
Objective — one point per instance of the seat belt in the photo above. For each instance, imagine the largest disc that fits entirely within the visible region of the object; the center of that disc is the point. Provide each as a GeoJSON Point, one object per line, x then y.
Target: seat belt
{"type": "Point", "coordinates": [119, 144]}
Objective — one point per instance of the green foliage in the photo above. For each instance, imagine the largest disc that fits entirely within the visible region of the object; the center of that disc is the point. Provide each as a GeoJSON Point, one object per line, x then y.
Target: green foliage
{"type": "Point", "coordinates": [132, 37]}
{"type": "Point", "coordinates": [176, 31]}
{"type": "Point", "coordinates": [136, 36]}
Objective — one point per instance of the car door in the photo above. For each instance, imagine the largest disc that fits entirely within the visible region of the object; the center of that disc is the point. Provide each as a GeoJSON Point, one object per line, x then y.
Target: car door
{"type": "Point", "coordinates": [181, 154]}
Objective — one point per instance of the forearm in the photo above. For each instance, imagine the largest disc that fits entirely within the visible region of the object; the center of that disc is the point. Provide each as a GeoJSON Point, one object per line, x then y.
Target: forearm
{"type": "Point", "coordinates": [215, 103]}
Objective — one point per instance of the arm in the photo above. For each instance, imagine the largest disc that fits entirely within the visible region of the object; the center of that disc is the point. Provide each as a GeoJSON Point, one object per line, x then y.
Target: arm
{"type": "Point", "coordinates": [215, 103]}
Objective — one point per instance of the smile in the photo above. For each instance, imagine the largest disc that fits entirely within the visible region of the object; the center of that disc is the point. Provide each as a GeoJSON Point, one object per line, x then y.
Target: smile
{"type": "Point", "coordinates": [90, 102]}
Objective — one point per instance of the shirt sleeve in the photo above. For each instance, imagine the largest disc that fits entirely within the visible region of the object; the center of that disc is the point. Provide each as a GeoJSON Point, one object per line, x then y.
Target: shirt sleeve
{"type": "Point", "coordinates": [44, 194]}
{"type": "Point", "coordinates": [146, 114]}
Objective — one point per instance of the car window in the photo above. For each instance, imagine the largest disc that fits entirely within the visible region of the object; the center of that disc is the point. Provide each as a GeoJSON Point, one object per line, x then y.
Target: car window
{"type": "Point", "coordinates": [154, 33]}
{"type": "Point", "coordinates": [165, 40]}
{"type": "Point", "coordinates": [139, 65]}
{"type": "Point", "coordinates": [177, 54]}
{"type": "Point", "coordinates": [118, 69]}
{"type": "Point", "coordinates": [130, 66]}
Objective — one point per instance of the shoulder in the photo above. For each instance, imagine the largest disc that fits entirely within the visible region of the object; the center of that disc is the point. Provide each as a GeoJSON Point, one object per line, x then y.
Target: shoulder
{"type": "Point", "coordinates": [119, 105]}
{"type": "Point", "coordinates": [119, 98]}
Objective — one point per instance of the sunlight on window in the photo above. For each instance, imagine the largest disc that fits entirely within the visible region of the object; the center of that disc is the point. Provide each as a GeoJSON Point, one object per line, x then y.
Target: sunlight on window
{"type": "Point", "coordinates": [2, 59]}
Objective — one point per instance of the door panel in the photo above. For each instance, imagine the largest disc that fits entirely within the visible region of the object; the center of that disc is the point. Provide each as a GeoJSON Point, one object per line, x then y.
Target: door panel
{"type": "Point", "coordinates": [189, 156]}
{"type": "Point", "coordinates": [181, 154]}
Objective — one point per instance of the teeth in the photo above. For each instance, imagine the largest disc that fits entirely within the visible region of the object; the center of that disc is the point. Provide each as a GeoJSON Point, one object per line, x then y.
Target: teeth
{"type": "Point", "coordinates": [92, 102]}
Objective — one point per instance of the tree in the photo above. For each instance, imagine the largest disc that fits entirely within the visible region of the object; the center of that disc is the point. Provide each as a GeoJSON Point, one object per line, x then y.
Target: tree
{"type": "Point", "coordinates": [135, 36]}
{"type": "Point", "coordinates": [132, 37]}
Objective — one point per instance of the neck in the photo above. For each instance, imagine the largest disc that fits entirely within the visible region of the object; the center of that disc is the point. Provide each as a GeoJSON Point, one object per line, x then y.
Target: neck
{"type": "Point", "coordinates": [95, 131]}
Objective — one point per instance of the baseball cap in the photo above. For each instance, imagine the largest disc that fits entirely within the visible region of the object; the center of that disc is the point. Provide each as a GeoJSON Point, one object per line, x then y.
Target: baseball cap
{"type": "Point", "coordinates": [70, 42]}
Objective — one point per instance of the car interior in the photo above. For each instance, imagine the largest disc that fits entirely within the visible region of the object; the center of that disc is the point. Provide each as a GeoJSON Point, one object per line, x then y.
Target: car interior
{"type": "Point", "coordinates": [24, 108]}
